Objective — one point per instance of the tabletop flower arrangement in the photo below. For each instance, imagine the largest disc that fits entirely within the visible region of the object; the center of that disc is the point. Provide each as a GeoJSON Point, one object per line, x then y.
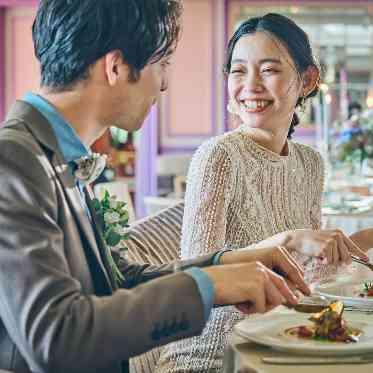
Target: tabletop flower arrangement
{"type": "Point", "coordinates": [355, 142]}
{"type": "Point", "coordinates": [112, 217]}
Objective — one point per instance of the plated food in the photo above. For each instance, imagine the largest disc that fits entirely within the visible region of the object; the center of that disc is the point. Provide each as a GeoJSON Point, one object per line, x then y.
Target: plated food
{"type": "Point", "coordinates": [270, 330]}
{"type": "Point", "coordinates": [328, 325]}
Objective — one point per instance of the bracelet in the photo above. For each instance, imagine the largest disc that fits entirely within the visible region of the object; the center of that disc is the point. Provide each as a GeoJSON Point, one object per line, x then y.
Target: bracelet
{"type": "Point", "coordinates": [218, 255]}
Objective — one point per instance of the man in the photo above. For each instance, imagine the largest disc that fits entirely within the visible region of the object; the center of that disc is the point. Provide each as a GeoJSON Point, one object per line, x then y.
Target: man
{"type": "Point", "coordinates": [102, 63]}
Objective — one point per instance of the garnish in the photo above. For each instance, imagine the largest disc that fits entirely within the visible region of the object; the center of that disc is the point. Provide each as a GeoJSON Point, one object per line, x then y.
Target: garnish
{"type": "Point", "coordinates": [328, 325]}
{"type": "Point", "coordinates": [368, 290]}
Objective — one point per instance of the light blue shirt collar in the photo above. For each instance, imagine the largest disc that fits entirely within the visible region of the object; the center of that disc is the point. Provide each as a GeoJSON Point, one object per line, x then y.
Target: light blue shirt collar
{"type": "Point", "coordinates": [69, 142]}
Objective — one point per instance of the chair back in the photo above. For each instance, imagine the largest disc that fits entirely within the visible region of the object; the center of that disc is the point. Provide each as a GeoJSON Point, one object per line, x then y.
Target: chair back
{"type": "Point", "coordinates": [155, 240]}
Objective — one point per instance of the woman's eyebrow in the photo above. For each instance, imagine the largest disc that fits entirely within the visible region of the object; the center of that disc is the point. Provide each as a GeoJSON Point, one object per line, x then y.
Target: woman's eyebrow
{"type": "Point", "coordinates": [270, 60]}
{"type": "Point", "coordinates": [262, 61]}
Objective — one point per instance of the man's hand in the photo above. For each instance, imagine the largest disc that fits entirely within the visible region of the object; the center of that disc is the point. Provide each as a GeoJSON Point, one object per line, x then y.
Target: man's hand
{"type": "Point", "coordinates": [252, 287]}
{"type": "Point", "coordinates": [276, 259]}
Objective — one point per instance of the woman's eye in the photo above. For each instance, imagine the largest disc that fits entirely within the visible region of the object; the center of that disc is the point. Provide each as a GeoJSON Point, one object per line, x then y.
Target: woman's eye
{"type": "Point", "coordinates": [237, 71]}
{"type": "Point", "coordinates": [269, 71]}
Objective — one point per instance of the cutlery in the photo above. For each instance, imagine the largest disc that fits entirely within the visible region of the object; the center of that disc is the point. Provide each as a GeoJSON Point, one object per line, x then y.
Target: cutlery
{"type": "Point", "coordinates": [317, 360]}
{"type": "Point", "coordinates": [311, 306]}
{"type": "Point", "coordinates": [314, 308]}
{"type": "Point", "coordinates": [360, 261]}
{"type": "Point", "coordinates": [314, 303]}
{"type": "Point", "coordinates": [308, 308]}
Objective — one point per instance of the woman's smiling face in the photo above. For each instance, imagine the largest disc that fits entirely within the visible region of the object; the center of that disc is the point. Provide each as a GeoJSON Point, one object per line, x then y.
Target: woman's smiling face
{"type": "Point", "coordinates": [263, 82]}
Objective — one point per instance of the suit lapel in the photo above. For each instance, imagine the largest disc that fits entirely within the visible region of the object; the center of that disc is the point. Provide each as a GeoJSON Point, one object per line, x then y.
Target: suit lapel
{"type": "Point", "coordinates": [74, 198]}
{"type": "Point", "coordinates": [42, 131]}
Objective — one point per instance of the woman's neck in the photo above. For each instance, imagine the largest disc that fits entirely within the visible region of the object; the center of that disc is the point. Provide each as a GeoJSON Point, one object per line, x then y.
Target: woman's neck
{"type": "Point", "coordinates": [275, 142]}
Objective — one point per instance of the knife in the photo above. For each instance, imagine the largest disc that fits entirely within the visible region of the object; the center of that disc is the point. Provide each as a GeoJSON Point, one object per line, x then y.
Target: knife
{"type": "Point", "coordinates": [308, 308]}
{"type": "Point", "coordinates": [314, 307]}
{"type": "Point", "coordinates": [317, 360]}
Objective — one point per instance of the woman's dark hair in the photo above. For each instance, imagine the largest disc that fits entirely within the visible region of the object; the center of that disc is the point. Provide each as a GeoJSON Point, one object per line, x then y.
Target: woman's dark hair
{"type": "Point", "coordinates": [290, 35]}
{"type": "Point", "coordinates": [71, 35]}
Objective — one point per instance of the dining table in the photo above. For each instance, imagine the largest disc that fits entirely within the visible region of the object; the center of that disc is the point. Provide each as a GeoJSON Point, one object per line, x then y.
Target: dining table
{"type": "Point", "coordinates": [244, 356]}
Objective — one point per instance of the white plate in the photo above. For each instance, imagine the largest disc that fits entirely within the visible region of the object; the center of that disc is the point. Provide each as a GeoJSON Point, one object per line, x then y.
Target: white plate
{"type": "Point", "coordinates": [346, 291]}
{"type": "Point", "coordinates": [269, 331]}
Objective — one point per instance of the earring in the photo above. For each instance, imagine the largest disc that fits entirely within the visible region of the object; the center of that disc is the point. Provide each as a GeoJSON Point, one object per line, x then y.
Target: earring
{"type": "Point", "coordinates": [302, 104]}
{"type": "Point", "coordinates": [230, 107]}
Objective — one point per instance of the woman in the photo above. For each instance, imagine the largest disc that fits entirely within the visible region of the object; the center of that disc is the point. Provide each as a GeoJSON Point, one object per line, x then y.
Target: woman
{"type": "Point", "coordinates": [253, 184]}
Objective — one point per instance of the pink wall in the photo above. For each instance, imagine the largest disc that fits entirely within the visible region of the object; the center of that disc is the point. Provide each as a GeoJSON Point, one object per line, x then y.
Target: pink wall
{"type": "Point", "coordinates": [190, 89]}
{"type": "Point", "coordinates": [14, 3]}
{"type": "Point", "coordinates": [192, 109]}
{"type": "Point", "coordinates": [4, 6]}
{"type": "Point", "coordinates": [22, 67]}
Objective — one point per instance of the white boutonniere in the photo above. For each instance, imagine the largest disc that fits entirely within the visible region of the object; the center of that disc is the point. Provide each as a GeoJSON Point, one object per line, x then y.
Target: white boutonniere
{"type": "Point", "coordinates": [112, 218]}
{"type": "Point", "coordinates": [90, 167]}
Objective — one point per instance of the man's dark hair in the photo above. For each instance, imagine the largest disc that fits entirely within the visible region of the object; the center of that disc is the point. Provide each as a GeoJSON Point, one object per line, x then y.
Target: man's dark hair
{"type": "Point", "coordinates": [290, 35]}
{"type": "Point", "coordinates": [71, 35]}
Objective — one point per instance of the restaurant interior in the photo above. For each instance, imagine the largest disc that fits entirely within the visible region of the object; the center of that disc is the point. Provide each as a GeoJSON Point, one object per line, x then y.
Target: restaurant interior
{"type": "Point", "coordinates": [148, 168]}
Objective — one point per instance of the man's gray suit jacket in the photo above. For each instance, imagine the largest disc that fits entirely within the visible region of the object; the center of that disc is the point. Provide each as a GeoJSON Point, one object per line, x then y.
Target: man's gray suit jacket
{"type": "Point", "coordinates": [58, 309]}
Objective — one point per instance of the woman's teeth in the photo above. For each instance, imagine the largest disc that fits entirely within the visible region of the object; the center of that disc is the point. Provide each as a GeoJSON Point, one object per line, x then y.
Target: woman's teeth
{"type": "Point", "coordinates": [256, 104]}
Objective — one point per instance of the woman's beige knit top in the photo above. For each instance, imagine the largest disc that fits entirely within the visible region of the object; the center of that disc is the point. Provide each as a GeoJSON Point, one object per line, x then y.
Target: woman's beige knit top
{"type": "Point", "coordinates": [239, 193]}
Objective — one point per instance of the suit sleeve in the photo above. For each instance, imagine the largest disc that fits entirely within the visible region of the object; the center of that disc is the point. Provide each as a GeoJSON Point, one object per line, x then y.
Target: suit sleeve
{"type": "Point", "coordinates": [55, 325]}
{"type": "Point", "coordinates": [135, 273]}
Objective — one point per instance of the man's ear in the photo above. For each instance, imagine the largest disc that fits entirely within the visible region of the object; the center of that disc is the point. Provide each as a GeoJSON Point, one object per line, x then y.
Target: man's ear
{"type": "Point", "coordinates": [115, 67]}
{"type": "Point", "coordinates": [310, 80]}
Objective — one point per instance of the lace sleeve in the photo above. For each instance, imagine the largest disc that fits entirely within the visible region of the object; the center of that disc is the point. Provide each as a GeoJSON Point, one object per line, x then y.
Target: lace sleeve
{"type": "Point", "coordinates": [209, 186]}
{"type": "Point", "coordinates": [318, 172]}
{"type": "Point", "coordinates": [314, 270]}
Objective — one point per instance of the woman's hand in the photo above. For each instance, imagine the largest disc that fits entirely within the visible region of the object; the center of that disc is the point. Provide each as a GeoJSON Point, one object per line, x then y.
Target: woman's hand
{"type": "Point", "coordinates": [331, 244]}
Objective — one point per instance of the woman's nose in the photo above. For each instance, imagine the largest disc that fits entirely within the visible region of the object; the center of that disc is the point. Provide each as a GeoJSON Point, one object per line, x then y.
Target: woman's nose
{"type": "Point", "coordinates": [253, 82]}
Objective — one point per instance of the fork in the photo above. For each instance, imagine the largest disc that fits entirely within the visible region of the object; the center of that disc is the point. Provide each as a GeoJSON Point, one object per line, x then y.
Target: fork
{"type": "Point", "coordinates": [360, 261]}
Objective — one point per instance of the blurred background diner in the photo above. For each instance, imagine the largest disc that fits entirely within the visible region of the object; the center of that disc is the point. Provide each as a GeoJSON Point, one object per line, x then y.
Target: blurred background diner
{"type": "Point", "coordinates": [148, 168]}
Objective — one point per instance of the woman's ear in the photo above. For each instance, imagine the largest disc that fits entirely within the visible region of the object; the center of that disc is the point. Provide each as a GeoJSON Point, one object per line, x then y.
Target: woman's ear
{"type": "Point", "coordinates": [310, 80]}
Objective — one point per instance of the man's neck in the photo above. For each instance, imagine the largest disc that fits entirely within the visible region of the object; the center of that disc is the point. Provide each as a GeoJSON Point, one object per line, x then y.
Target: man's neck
{"type": "Point", "coordinates": [79, 111]}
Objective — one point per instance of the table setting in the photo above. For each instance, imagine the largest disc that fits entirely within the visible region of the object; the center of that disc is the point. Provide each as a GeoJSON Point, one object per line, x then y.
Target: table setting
{"type": "Point", "coordinates": [347, 211]}
{"type": "Point", "coordinates": [288, 339]}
